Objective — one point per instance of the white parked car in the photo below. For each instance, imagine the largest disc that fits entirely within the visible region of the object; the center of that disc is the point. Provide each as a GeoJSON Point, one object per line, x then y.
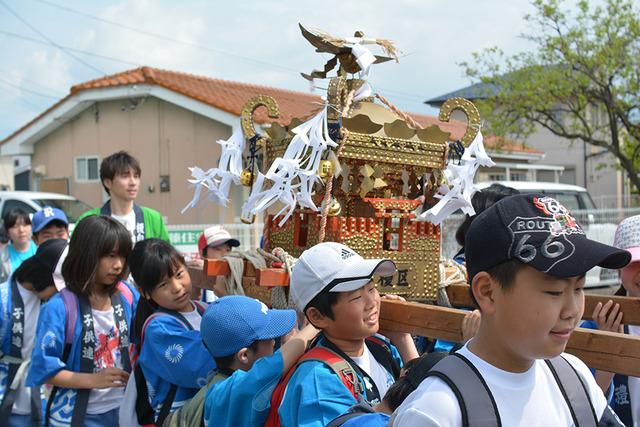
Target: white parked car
{"type": "Point", "coordinates": [33, 201]}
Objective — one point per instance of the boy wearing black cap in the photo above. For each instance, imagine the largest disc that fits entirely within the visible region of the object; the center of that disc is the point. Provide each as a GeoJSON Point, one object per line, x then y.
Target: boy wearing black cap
{"type": "Point", "coordinates": [526, 258]}
{"type": "Point", "coordinates": [20, 299]}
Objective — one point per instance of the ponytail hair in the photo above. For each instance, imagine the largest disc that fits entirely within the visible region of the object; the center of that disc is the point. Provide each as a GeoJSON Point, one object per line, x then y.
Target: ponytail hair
{"type": "Point", "coordinates": [151, 262]}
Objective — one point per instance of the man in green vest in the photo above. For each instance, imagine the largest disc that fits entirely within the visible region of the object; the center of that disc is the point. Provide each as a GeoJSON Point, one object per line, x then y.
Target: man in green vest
{"type": "Point", "coordinates": [120, 176]}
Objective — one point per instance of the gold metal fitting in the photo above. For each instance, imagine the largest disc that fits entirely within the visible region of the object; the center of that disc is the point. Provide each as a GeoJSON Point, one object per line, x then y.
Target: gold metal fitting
{"type": "Point", "coordinates": [325, 169]}
{"type": "Point", "coordinates": [246, 178]}
{"type": "Point", "coordinates": [249, 220]}
{"type": "Point", "coordinates": [335, 208]}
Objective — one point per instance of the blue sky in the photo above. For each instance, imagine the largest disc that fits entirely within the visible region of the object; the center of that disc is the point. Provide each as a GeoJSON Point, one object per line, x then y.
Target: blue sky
{"type": "Point", "coordinates": [256, 41]}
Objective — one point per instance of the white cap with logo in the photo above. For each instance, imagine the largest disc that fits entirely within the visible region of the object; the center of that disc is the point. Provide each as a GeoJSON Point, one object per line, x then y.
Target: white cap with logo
{"type": "Point", "coordinates": [334, 266]}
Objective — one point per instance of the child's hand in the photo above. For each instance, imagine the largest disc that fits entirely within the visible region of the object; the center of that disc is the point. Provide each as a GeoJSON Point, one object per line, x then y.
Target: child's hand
{"type": "Point", "coordinates": [470, 325]}
{"type": "Point", "coordinates": [392, 297]}
{"type": "Point", "coordinates": [110, 377]}
{"type": "Point", "coordinates": [608, 317]}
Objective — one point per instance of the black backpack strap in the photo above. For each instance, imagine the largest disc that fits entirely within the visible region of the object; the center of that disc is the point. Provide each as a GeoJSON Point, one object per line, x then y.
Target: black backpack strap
{"type": "Point", "coordinates": [574, 392]}
{"type": "Point", "coordinates": [477, 405]}
{"type": "Point", "coordinates": [166, 406]}
{"type": "Point", "coordinates": [382, 353]}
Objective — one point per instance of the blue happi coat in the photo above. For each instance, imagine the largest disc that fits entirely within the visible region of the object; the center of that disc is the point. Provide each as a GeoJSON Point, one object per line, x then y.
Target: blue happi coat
{"type": "Point", "coordinates": [46, 360]}
{"type": "Point", "coordinates": [173, 354]}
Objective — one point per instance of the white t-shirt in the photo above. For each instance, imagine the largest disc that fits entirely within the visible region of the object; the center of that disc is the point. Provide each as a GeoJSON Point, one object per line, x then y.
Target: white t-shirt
{"type": "Point", "coordinates": [531, 398]}
{"type": "Point", "coordinates": [193, 317]}
{"type": "Point", "coordinates": [376, 371]}
{"type": "Point", "coordinates": [634, 386]}
{"type": "Point", "coordinates": [106, 354]}
{"type": "Point", "coordinates": [129, 222]}
{"type": "Point", "coordinates": [22, 404]}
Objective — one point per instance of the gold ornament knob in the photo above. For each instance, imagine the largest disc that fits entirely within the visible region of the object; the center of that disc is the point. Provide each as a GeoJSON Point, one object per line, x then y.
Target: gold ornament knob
{"type": "Point", "coordinates": [246, 177]}
{"type": "Point", "coordinates": [248, 219]}
{"type": "Point", "coordinates": [325, 169]}
{"type": "Point", "coordinates": [335, 208]}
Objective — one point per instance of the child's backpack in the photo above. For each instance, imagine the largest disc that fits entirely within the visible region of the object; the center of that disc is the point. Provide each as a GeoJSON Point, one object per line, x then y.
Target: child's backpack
{"type": "Point", "coordinates": [336, 361]}
{"type": "Point", "coordinates": [191, 414]}
{"type": "Point", "coordinates": [70, 301]}
{"type": "Point", "coordinates": [478, 406]}
{"type": "Point", "coordinates": [137, 408]}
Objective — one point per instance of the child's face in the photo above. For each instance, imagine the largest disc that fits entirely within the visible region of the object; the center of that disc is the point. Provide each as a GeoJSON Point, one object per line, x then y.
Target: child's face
{"type": "Point", "coordinates": [124, 185]}
{"type": "Point", "coordinates": [534, 318]}
{"type": "Point", "coordinates": [20, 232]}
{"type": "Point", "coordinates": [53, 231]}
{"type": "Point", "coordinates": [110, 269]}
{"type": "Point", "coordinates": [174, 293]}
{"type": "Point", "coordinates": [630, 277]}
{"type": "Point", "coordinates": [355, 314]}
{"type": "Point", "coordinates": [218, 252]}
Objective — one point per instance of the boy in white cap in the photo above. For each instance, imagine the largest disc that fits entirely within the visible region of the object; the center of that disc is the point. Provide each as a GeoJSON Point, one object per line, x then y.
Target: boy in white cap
{"type": "Point", "coordinates": [215, 243]}
{"type": "Point", "coordinates": [333, 286]}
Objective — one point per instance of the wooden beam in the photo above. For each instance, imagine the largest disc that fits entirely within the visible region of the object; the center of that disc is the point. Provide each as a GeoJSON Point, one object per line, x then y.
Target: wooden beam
{"type": "Point", "coordinates": [630, 306]}
{"type": "Point", "coordinates": [600, 350]}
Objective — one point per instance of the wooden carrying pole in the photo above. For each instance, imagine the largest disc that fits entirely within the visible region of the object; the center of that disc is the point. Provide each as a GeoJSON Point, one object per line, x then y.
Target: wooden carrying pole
{"type": "Point", "coordinates": [600, 350]}
{"type": "Point", "coordinates": [630, 307]}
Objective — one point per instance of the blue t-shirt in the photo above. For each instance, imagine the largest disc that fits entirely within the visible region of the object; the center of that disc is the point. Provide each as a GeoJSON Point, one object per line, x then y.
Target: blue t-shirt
{"type": "Point", "coordinates": [378, 419]}
{"type": "Point", "coordinates": [16, 257]}
{"type": "Point", "coordinates": [244, 398]}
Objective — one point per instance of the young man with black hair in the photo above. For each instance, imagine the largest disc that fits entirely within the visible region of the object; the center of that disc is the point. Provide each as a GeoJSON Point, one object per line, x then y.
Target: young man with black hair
{"type": "Point", "coordinates": [120, 176]}
{"type": "Point", "coordinates": [526, 259]}
{"type": "Point", "coordinates": [333, 286]}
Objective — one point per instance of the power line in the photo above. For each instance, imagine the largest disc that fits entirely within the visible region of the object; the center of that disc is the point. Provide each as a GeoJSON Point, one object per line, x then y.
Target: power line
{"type": "Point", "coordinates": [44, 95]}
{"type": "Point", "coordinates": [34, 29]}
{"type": "Point", "coordinates": [52, 92]}
{"type": "Point", "coordinates": [397, 93]}
{"type": "Point", "coordinates": [84, 52]}
{"type": "Point", "coordinates": [165, 38]}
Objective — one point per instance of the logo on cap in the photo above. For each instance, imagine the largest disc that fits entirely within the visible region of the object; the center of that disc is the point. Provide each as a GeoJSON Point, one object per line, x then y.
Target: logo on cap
{"type": "Point", "coordinates": [563, 223]}
{"type": "Point", "coordinates": [544, 238]}
{"type": "Point", "coordinates": [48, 212]}
{"type": "Point", "coordinates": [346, 254]}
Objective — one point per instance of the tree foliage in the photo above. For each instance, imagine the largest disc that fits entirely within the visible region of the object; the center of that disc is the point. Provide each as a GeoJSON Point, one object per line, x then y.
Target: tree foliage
{"type": "Point", "coordinates": [581, 81]}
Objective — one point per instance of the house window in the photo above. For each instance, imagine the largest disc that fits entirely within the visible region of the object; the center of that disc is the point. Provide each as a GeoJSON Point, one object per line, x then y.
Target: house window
{"type": "Point", "coordinates": [518, 176]}
{"type": "Point", "coordinates": [87, 169]}
{"type": "Point", "coordinates": [497, 177]}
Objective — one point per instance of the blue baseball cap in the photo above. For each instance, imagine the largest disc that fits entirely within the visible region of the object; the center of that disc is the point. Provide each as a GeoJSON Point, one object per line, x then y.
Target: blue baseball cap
{"type": "Point", "coordinates": [44, 216]}
{"type": "Point", "coordinates": [234, 322]}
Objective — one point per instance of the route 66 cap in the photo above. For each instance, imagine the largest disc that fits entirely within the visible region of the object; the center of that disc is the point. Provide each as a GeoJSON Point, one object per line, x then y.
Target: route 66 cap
{"type": "Point", "coordinates": [538, 231]}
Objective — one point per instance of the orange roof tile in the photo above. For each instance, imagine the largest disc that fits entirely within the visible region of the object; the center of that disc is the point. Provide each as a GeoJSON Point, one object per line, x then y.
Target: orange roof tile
{"type": "Point", "coordinates": [230, 96]}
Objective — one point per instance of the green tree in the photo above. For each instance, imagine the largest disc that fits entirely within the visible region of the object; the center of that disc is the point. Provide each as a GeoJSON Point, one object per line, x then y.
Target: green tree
{"type": "Point", "coordinates": [581, 80]}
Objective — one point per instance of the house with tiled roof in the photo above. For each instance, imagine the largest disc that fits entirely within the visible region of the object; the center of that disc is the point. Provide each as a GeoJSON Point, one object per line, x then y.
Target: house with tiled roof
{"type": "Point", "coordinates": [568, 162]}
{"type": "Point", "coordinates": [169, 120]}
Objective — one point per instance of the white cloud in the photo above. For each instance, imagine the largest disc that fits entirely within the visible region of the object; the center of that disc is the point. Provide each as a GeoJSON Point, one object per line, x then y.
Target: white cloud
{"type": "Point", "coordinates": [436, 35]}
